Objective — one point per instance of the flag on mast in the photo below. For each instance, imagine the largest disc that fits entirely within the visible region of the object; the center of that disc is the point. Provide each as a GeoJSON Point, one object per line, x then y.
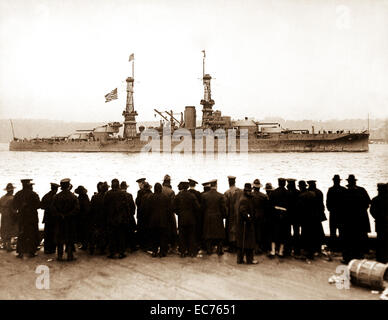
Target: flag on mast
{"type": "Point", "coordinates": [131, 57]}
{"type": "Point", "coordinates": [111, 95]}
{"type": "Point", "coordinates": [204, 53]}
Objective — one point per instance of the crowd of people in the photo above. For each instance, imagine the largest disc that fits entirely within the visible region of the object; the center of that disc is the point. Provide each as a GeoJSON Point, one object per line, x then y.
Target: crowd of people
{"type": "Point", "coordinates": [286, 221]}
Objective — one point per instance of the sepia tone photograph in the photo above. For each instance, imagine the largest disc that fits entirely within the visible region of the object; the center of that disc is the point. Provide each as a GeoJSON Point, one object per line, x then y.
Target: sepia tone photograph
{"type": "Point", "coordinates": [193, 150]}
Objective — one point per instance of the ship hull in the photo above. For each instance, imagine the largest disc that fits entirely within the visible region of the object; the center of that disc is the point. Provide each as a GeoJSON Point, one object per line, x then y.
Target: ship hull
{"type": "Point", "coordinates": [351, 142]}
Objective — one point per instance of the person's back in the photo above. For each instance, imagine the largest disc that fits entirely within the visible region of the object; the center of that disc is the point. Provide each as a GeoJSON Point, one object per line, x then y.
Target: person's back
{"type": "Point", "coordinates": [335, 198]}
{"type": "Point", "coordinates": [27, 203]}
{"type": "Point", "coordinates": [186, 207]}
{"type": "Point", "coordinates": [379, 211]}
{"type": "Point", "coordinates": [65, 208]}
{"type": "Point", "coordinates": [9, 226]}
{"type": "Point", "coordinates": [213, 203]}
{"type": "Point", "coordinates": [214, 209]}
{"type": "Point", "coordinates": [66, 203]}
{"type": "Point", "coordinates": [159, 210]}
{"type": "Point", "coordinates": [116, 206]}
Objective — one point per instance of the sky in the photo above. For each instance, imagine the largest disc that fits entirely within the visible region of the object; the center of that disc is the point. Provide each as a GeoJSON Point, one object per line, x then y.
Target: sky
{"type": "Point", "coordinates": [294, 59]}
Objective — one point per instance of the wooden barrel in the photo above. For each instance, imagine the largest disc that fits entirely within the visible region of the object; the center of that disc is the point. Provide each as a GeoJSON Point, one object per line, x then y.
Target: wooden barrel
{"type": "Point", "coordinates": [368, 273]}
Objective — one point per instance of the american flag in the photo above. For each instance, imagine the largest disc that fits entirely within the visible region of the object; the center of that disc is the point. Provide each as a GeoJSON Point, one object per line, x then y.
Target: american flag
{"type": "Point", "coordinates": [111, 95]}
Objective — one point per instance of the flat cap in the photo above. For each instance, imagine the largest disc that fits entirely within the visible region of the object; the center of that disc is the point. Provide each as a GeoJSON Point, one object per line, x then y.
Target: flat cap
{"type": "Point", "coordinates": [206, 184]}
{"type": "Point", "coordinates": [141, 180]}
{"type": "Point", "coordinates": [65, 180]}
{"type": "Point", "coordinates": [26, 181]}
{"type": "Point", "coordinates": [311, 181]}
{"type": "Point", "coordinates": [231, 177]}
{"type": "Point", "coordinates": [183, 185]}
{"type": "Point", "coordinates": [291, 180]}
{"type": "Point", "coordinates": [54, 184]}
{"type": "Point", "coordinates": [192, 182]}
{"type": "Point", "coordinates": [213, 182]}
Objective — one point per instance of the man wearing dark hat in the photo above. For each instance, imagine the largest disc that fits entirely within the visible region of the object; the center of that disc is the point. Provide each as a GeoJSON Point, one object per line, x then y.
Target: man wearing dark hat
{"type": "Point", "coordinates": [49, 219]}
{"type": "Point", "coordinates": [65, 208]}
{"type": "Point", "coordinates": [232, 197]}
{"type": "Point", "coordinates": [318, 212]}
{"type": "Point", "coordinates": [245, 231]}
{"type": "Point", "coordinates": [268, 188]}
{"type": "Point", "coordinates": [280, 225]}
{"type": "Point", "coordinates": [356, 221]}
{"type": "Point", "coordinates": [158, 213]}
{"type": "Point", "coordinates": [130, 239]}
{"type": "Point", "coordinates": [260, 205]}
{"type": "Point", "coordinates": [199, 214]}
{"type": "Point", "coordinates": [214, 209]}
{"type": "Point", "coordinates": [206, 187]}
{"type": "Point", "coordinates": [186, 207]}
{"type": "Point", "coordinates": [308, 220]}
{"type": "Point", "coordinates": [9, 223]}
{"type": "Point", "coordinates": [98, 236]}
{"type": "Point", "coordinates": [335, 205]}
{"type": "Point", "coordinates": [172, 229]}
{"type": "Point", "coordinates": [144, 222]}
{"type": "Point", "coordinates": [27, 203]}
{"type": "Point", "coordinates": [140, 233]}
{"type": "Point", "coordinates": [83, 218]}
{"type": "Point", "coordinates": [117, 208]}
{"type": "Point", "coordinates": [379, 211]}
{"type": "Point", "coordinates": [293, 194]}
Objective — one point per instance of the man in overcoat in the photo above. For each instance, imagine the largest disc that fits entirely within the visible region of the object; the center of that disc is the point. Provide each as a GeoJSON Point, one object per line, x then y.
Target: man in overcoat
{"type": "Point", "coordinates": [140, 214]}
{"type": "Point", "coordinates": [158, 213]}
{"type": "Point", "coordinates": [335, 205]}
{"type": "Point", "coordinates": [83, 218]}
{"type": "Point", "coordinates": [260, 205]}
{"type": "Point", "coordinates": [199, 217]}
{"type": "Point", "coordinates": [131, 229]}
{"type": "Point", "coordinates": [245, 235]}
{"type": "Point", "coordinates": [319, 214]}
{"type": "Point", "coordinates": [214, 208]}
{"type": "Point", "coordinates": [356, 221]}
{"type": "Point", "coordinates": [26, 202]}
{"type": "Point", "coordinates": [172, 228]}
{"type": "Point", "coordinates": [98, 229]}
{"type": "Point", "coordinates": [379, 211]}
{"type": "Point", "coordinates": [49, 219]}
{"type": "Point", "coordinates": [280, 224]}
{"type": "Point", "coordinates": [186, 207]}
{"type": "Point", "coordinates": [65, 208]}
{"type": "Point", "coordinates": [9, 223]}
{"type": "Point", "coordinates": [116, 206]}
{"type": "Point", "coordinates": [232, 197]}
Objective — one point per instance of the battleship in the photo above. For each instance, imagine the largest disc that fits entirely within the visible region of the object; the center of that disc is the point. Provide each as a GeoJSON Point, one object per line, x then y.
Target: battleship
{"type": "Point", "coordinates": [215, 133]}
